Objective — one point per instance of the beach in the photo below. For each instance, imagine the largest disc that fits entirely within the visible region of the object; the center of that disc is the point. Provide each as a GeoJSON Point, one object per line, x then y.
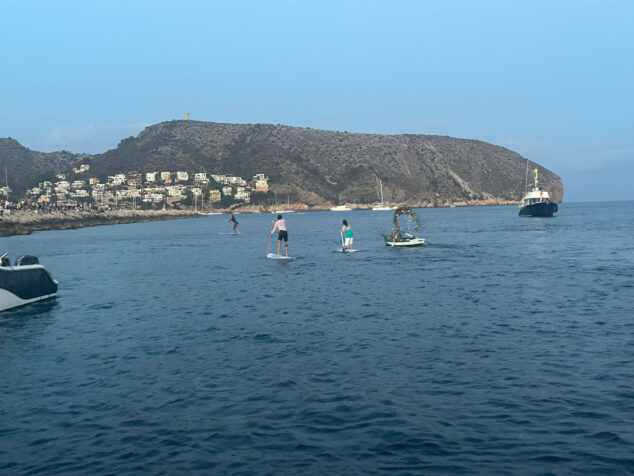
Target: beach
{"type": "Point", "coordinates": [26, 222]}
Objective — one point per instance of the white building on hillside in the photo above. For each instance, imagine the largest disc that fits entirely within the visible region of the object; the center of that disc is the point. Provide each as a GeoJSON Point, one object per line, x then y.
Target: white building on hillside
{"type": "Point", "coordinates": [118, 179]}
{"type": "Point", "coordinates": [243, 193]}
{"type": "Point", "coordinates": [176, 191]}
{"type": "Point", "coordinates": [62, 186]}
{"type": "Point", "coordinates": [236, 181]}
{"type": "Point", "coordinates": [201, 177]}
{"type": "Point", "coordinates": [261, 183]}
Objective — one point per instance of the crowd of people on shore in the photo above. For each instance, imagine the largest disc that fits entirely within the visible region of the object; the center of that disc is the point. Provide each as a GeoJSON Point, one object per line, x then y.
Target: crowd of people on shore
{"type": "Point", "coordinates": [46, 208]}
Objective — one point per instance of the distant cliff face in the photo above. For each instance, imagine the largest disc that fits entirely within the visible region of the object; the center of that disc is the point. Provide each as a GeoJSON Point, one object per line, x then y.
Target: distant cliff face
{"type": "Point", "coordinates": [315, 166]}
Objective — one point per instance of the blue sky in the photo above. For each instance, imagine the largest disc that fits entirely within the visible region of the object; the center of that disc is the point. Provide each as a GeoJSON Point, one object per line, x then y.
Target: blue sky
{"type": "Point", "coordinates": [552, 80]}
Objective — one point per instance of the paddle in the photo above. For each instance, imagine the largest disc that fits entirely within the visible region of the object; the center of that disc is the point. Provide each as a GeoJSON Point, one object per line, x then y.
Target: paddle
{"type": "Point", "coordinates": [270, 240]}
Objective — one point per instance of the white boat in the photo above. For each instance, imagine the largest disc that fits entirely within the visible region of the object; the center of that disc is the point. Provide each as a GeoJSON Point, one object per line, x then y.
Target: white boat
{"type": "Point", "coordinates": [536, 202]}
{"type": "Point", "coordinates": [382, 206]}
{"type": "Point", "coordinates": [340, 208]}
{"type": "Point", "coordinates": [25, 282]}
{"type": "Point", "coordinates": [399, 238]}
{"type": "Point", "coordinates": [281, 212]}
{"type": "Point", "coordinates": [406, 243]}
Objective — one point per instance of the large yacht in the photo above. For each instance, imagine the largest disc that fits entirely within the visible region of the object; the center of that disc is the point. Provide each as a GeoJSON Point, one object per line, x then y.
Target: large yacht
{"type": "Point", "coordinates": [536, 202]}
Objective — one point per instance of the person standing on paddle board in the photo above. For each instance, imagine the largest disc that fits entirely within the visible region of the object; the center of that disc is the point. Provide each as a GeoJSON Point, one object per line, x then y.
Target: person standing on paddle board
{"type": "Point", "coordinates": [346, 236]}
{"type": "Point", "coordinates": [235, 224]}
{"type": "Point", "coordinates": [280, 225]}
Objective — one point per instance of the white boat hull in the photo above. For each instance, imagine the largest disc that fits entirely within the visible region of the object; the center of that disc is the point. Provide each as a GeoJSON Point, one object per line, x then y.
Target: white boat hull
{"type": "Point", "coordinates": [9, 300]}
{"type": "Point", "coordinates": [414, 242]}
{"type": "Point", "coordinates": [24, 284]}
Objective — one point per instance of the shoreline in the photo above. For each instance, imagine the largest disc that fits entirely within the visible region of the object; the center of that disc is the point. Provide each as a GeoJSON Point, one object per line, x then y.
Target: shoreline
{"type": "Point", "coordinates": [301, 207]}
{"type": "Point", "coordinates": [25, 223]}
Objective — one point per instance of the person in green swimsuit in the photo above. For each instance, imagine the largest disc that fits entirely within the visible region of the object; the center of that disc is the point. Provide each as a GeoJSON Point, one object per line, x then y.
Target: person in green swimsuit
{"type": "Point", "coordinates": [347, 236]}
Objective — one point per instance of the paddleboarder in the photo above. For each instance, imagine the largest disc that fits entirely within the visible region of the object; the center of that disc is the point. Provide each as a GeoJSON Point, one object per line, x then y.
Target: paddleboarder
{"type": "Point", "coordinates": [347, 236]}
{"type": "Point", "coordinates": [234, 222]}
{"type": "Point", "coordinates": [280, 225]}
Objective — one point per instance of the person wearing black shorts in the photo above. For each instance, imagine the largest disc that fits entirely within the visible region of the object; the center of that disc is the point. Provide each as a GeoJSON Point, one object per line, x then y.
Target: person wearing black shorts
{"type": "Point", "coordinates": [282, 235]}
{"type": "Point", "coordinates": [234, 222]}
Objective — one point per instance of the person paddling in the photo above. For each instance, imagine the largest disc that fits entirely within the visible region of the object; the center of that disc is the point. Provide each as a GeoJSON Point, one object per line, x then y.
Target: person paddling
{"type": "Point", "coordinates": [280, 225]}
{"type": "Point", "coordinates": [347, 236]}
{"type": "Point", "coordinates": [234, 222]}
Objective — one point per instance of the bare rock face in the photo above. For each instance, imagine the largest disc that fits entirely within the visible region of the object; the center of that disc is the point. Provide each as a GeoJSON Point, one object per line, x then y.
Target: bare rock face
{"type": "Point", "coordinates": [555, 189]}
{"type": "Point", "coordinates": [318, 167]}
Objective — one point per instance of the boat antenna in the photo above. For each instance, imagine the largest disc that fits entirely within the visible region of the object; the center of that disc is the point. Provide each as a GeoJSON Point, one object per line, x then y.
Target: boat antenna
{"type": "Point", "coordinates": [526, 177]}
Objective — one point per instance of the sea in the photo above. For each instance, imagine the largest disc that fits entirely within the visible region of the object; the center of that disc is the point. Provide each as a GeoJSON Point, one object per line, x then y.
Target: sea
{"type": "Point", "coordinates": [503, 346]}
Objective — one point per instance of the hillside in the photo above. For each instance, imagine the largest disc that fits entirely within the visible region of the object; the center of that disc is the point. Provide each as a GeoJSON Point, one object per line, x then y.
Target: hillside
{"type": "Point", "coordinates": [25, 167]}
{"type": "Point", "coordinates": [316, 166]}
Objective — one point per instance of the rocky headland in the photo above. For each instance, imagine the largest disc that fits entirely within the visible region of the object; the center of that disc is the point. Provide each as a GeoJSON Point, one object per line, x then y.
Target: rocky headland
{"type": "Point", "coordinates": [307, 167]}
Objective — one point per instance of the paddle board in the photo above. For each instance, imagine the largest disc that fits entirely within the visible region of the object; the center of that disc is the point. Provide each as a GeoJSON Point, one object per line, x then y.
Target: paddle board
{"type": "Point", "coordinates": [274, 256]}
{"type": "Point", "coordinates": [228, 233]}
{"type": "Point", "coordinates": [341, 250]}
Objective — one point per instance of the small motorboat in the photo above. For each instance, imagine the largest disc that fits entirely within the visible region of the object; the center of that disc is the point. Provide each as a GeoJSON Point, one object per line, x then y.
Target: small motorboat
{"type": "Point", "coordinates": [25, 282]}
{"type": "Point", "coordinates": [402, 239]}
{"type": "Point", "coordinates": [405, 240]}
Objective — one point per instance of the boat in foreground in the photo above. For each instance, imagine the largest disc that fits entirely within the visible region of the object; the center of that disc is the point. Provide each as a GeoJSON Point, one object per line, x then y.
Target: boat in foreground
{"type": "Point", "coordinates": [536, 202]}
{"type": "Point", "coordinates": [25, 282]}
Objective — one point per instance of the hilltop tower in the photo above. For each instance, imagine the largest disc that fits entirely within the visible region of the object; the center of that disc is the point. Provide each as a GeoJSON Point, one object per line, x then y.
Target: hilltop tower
{"type": "Point", "coordinates": [187, 116]}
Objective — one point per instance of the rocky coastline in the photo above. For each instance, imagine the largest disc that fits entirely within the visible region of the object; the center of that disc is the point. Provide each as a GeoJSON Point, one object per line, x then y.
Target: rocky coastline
{"type": "Point", "coordinates": [26, 222]}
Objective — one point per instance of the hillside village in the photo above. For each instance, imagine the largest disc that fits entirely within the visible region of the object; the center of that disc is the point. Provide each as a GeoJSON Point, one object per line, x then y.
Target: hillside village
{"type": "Point", "coordinates": [164, 188]}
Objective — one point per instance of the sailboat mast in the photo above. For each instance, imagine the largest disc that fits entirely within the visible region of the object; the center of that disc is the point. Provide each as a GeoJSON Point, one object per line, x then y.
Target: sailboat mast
{"type": "Point", "coordinates": [526, 178]}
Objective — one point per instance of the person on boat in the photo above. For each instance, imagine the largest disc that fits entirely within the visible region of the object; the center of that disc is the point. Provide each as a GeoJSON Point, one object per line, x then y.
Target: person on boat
{"type": "Point", "coordinates": [233, 221]}
{"type": "Point", "coordinates": [346, 236]}
{"type": "Point", "coordinates": [280, 225]}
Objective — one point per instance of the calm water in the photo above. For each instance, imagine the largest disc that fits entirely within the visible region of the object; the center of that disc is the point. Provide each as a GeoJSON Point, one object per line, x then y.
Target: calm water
{"type": "Point", "coordinates": [504, 347]}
